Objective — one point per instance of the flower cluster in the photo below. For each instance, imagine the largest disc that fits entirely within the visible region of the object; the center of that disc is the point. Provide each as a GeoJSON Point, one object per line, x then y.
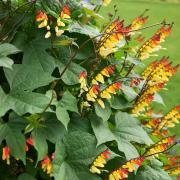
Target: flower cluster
{"type": "Point", "coordinates": [94, 93]}
{"type": "Point", "coordinates": [175, 171]}
{"type": "Point", "coordinates": [138, 22]}
{"type": "Point", "coordinates": [6, 154]}
{"type": "Point", "coordinates": [124, 170]}
{"type": "Point", "coordinates": [172, 161]}
{"type": "Point", "coordinates": [160, 146]}
{"type": "Point", "coordinates": [146, 98]}
{"type": "Point", "coordinates": [153, 44]}
{"type": "Point", "coordinates": [113, 35]}
{"type": "Point", "coordinates": [156, 75]}
{"type": "Point", "coordinates": [45, 21]}
{"type": "Point", "coordinates": [99, 162]}
{"type": "Point", "coordinates": [159, 71]}
{"type": "Point", "coordinates": [107, 71]}
{"type": "Point", "coordinates": [46, 164]}
{"type": "Point", "coordinates": [168, 121]}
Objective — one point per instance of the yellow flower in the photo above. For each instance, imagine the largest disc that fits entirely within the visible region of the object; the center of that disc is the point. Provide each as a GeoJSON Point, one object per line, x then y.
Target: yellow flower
{"type": "Point", "coordinates": [101, 103]}
{"type": "Point", "coordinates": [6, 154]}
{"type": "Point", "coordinates": [106, 2]}
{"type": "Point", "coordinates": [99, 162]}
{"type": "Point", "coordinates": [48, 34]}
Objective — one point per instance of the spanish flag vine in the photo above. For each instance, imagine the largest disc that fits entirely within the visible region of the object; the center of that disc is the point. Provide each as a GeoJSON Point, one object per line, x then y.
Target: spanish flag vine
{"type": "Point", "coordinates": [73, 104]}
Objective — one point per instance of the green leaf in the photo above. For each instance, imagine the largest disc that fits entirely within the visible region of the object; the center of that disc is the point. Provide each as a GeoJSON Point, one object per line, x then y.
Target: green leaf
{"type": "Point", "coordinates": [23, 102]}
{"type": "Point", "coordinates": [119, 102]}
{"type": "Point", "coordinates": [150, 173]}
{"type": "Point", "coordinates": [35, 55]}
{"type": "Point", "coordinates": [157, 98]}
{"type": "Point", "coordinates": [101, 130]}
{"type": "Point", "coordinates": [71, 76]}
{"type": "Point", "coordinates": [103, 113]}
{"type": "Point", "coordinates": [129, 129]}
{"type": "Point", "coordinates": [25, 176]}
{"type": "Point", "coordinates": [84, 29]}
{"type": "Point", "coordinates": [51, 129]}
{"type": "Point", "coordinates": [125, 131]}
{"type": "Point", "coordinates": [67, 103]}
{"type": "Point", "coordinates": [129, 92]}
{"type": "Point", "coordinates": [22, 80]}
{"type": "Point", "coordinates": [7, 49]}
{"type": "Point", "coordinates": [27, 78]}
{"type": "Point", "coordinates": [80, 152]}
{"type": "Point", "coordinates": [11, 132]}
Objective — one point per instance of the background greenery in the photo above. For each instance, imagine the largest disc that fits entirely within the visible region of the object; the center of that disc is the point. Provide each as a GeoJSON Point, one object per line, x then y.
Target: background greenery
{"type": "Point", "coordinates": [158, 9]}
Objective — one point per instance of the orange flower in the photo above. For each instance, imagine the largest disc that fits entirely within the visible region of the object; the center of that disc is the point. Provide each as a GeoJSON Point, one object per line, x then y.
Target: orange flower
{"type": "Point", "coordinates": [41, 16]}
{"type": "Point", "coordinates": [29, 141]}
{"type": "Point", "coordinates": [138, 22]}
{"type": "Point", "coordinates": [82, 80]}
{"type": "Point", "coordinates": [109, 41]}
{"type": "Point", "coordinates": [65, 13]}
{"type": "Point", "coordinates": [106, 94]}
{"type": "Point", "coordinates": [124, 170]}
{"type": "Point", "coordinates": [153, 44]}
{"type": "Point", "coordinates": [46, 165]}
{"type": "Point", "coordinates": [93, 92]}
{"type": "Point", "coordinates": [107, 71]}
{"type": "Point", "coordinates": [99, 162]}
{"type": "Point", "coordinates": [6, 154]}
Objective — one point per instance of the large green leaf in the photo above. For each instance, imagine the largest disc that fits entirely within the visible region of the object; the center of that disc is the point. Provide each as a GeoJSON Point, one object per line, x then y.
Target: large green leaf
{"type": "Point", "coordinates": [35, 55]}
{"type": "Point", "coordinates": [22, 80]}
{"type": "Point", "coordinates": [80, 149]}
{"type": "Point", "coordinates": [25, 176]}
{"type": "Point", "coordinates": [11, 132]}
{"type": "Point", "coordinates": [51, 129]}
{"type": "Point", "coordinates": [5, 50]}
{"type": "Point", "coordinates": [23, 102]}
{"type": "Point", "coordinates": [27, 78]}
{"type": "Point", "coordinates": [103, 113]}
{"type": "Point", "coordinates": [125, 131]}
{"type": "Point", "coordinates": [84, 29]}
{"type": "Point", "coordinates": [150, 173]}
{"type": "Point", "coordinates": [67, 103]}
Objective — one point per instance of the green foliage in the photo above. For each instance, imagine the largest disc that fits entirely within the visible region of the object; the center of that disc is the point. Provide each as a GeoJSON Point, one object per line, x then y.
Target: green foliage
{"type": "Point", "coordinates": [66, 106]}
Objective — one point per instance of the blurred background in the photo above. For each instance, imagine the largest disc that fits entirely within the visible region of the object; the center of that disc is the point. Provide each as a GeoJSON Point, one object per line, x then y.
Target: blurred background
{"type": "Point", "coordinates": [158, 10]}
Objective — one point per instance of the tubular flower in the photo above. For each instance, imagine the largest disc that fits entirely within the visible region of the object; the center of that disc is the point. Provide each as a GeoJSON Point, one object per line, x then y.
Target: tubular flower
{"type": "Point", "coordinates": [106, 2]}
{"type": "Point", "coordinates": [138, 22]}
{"type": "Point", "coordinates": [6, 154]}
{"type": "Point", "coordinates": [175, 171]}
{"type": "Point", "coordinates": [106, 94]}
{"type": "Point", "coordinates": [146, 98]}
{"type": "Point", "coordinates": [153, 44]}
{"type": "Point", "coordinates": [152, 123]}
{"type": "Point", "coordinates": [171, 161]}
{"type": "Point", "coordinates": [46, 165]}
{"type": "Point", "coordinates": [110, 40]}
{"type": "Point", "coordinates": [161, 146]}
{"type": "Point", "coordinates": [65, 14]}
{"type": "Point", "coordinates": [99, 162]}
{"type": "Point", "coordinates": [124, 170]}
{"type": "Point", "coordinates": [43, 19]}
{"type": "Point", "coordinates": [29, 141]}
{"type": "Point", "coordinates": [82, 81]}
{"type": "Point", "coordinates": [107, 71]}
{"type": "Point", "coordinates": [92, 93]}
{"type": "Point", "coordinates": [169, 120]}
{"type": "Point", "coordinates": [159, 72]}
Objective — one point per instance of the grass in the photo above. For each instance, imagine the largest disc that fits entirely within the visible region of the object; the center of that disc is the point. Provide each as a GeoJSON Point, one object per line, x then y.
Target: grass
{"type": "Point", "coordinates": [158, 10]}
